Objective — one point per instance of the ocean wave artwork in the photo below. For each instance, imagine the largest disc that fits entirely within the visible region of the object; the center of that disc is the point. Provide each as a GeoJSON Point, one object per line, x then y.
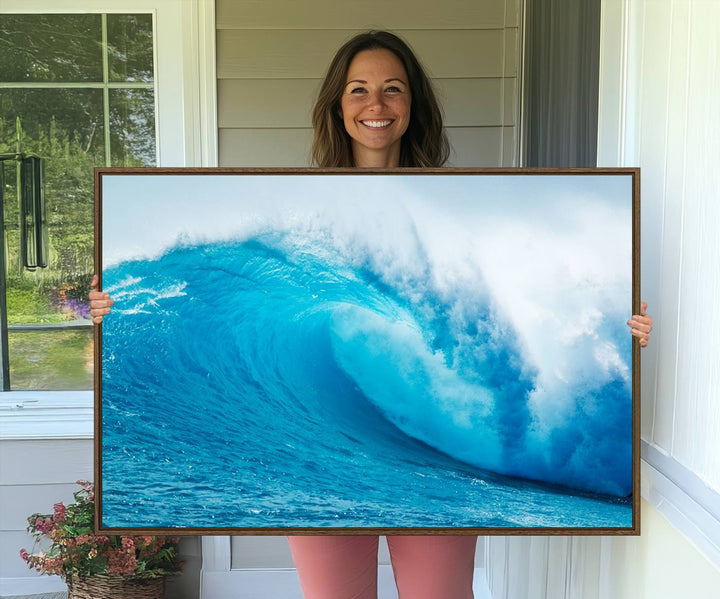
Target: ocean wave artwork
{"type": "Point", "coordinates": [293, 351]}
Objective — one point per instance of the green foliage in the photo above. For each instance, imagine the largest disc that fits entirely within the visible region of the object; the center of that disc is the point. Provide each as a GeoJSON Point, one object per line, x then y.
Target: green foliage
{"type": "Point", "coordinates": [27, 305]}
{"type": "Point", "coordinates": [69, 198]}
{"type": "Point", "coordinates": [68, 47]}
{"type": "Point", "coordinates": [76, 552]}
{"type": "Point", "coordinates": [50, 47]}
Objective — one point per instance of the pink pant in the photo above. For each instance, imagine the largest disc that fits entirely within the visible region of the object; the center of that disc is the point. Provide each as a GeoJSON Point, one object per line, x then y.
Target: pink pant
{"type": "Point", "coordinates": [345, 567]}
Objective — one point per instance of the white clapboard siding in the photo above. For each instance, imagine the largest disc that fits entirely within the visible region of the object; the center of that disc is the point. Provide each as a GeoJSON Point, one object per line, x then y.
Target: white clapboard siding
{"type": "Point", "coordinates": [266, 103]}
{"type": "Point", "coordinates": [301, 54]}
{"type": "Point", "coordinates": [271, 58]}
{"type": "Point", "coordinates": [35, 475]}
{"type": "Point", "coordinates": [45, 461]}
{"type": "Point", "coordinates": [334, 14]}
{"type": "Point", "coordinates": [475, 146]}
{"type": "Point", "coordinates": [265, 147]}
{"type": "Point", "coordinates": [20, 500]}
{"type": "Point", "coordinates": [261, 552]}
{"type": "Point", "coordinates": [288, 103]}
{"type": "Point", "coordinates": [470, 146]}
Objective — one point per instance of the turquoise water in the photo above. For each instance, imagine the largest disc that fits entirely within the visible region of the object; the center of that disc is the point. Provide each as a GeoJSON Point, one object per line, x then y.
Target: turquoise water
{"type": "Point", "coordinates": [269, 382]}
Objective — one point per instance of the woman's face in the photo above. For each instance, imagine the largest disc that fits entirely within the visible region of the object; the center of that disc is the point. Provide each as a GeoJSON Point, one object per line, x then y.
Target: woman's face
{"type": "Point", "coordinates": [375, 107]}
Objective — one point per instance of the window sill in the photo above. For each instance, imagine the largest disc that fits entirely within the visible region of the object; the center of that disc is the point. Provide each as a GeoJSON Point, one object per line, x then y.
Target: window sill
{"type": "Point", "coordinates": [46, 415]}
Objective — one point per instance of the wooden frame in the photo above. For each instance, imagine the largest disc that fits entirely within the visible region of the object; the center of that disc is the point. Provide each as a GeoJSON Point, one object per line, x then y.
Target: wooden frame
{"type": "Point", "coordinates": [342, 351]}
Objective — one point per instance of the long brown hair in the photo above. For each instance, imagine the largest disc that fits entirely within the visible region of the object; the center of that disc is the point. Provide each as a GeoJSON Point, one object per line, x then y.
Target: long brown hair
{"type": "Point", "coordinates": [424, 144]}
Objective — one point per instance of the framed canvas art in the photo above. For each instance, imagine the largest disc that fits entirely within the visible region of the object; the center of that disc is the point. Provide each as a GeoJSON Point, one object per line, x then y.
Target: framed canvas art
{"type": "Point", "coordinates": [353, 352]}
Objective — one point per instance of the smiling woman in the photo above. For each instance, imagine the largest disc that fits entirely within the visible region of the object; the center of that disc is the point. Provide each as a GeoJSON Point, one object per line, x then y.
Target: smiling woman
{"type": "Point", "coordinates": [375, 107]}
{"type": "Point", "coordinates": [375, 78]}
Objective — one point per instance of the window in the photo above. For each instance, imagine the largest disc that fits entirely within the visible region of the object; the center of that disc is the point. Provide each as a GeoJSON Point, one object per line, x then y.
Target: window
{"type": "Point", "coordinates": [78, 90]}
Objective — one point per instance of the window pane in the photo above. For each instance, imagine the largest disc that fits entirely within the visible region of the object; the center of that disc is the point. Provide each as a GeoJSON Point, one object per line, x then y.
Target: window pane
{"type": "Point", "coordinates": [53, 121]}
{"type": "Point", "coordinates": [66, 127]}
{"type": "Point", "coordinates": [132, 127]}
{"type": "Point", "coordinates": [50, 48]}
{"type": "Point", "coordinates": [130, 47]}
{"type": "Point", "coordinates": [53, 360]}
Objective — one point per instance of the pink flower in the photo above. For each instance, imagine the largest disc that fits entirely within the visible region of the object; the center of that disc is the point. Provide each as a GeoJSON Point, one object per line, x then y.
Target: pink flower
{"type": "Point", "coordinates": [24, 554]}
{"type": "Point", "coordinates": [121, 562]}
{"type": "Point", "coordinates": [59, 509]}
{"type": "Point", "coordinates": [44, 526]}
{"type": "Point", "coordinates": [53, 565]}
{"type": "Point", "coordinates": [128, 543]}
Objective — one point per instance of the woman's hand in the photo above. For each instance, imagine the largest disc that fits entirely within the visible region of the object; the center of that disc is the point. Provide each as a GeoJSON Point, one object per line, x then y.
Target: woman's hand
{"type": "Point", "coordinates": [641, 325]}
{"type": "Point", "coordinates": [100, 303]}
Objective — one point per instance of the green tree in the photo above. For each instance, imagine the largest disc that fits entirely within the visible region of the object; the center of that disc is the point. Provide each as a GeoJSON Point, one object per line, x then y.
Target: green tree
{"type": "Point", "coordinates": [64, 121]}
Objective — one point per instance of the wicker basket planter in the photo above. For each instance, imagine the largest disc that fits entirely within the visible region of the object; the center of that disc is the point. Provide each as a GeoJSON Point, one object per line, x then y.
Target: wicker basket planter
{"type": "Point", "coordinates": [116, 587]}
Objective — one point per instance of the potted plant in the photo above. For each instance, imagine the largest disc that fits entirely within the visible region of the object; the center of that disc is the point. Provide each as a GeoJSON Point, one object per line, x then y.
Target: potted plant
{"type": "Point", "coordinates": [98, 566]}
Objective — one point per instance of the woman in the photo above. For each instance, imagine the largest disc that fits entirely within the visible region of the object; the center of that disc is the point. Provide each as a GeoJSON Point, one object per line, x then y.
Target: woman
{"type": "Point", "coordinates": [376, 109]}
{"type": "Point", "coordinates": [369, 123]}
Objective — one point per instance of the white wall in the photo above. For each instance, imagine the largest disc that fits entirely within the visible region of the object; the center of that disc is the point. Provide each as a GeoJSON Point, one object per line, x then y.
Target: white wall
{"type": "Point", "coordinates": [660, 564]}
{"type": "Point", "coordinates": [660, 84]}
{"type": "Point", "coordinates": [672, 131]}
{"type": "Point", "coordinates": [271, 58]}
{"type": "Point", "coordinates": [34, 475]}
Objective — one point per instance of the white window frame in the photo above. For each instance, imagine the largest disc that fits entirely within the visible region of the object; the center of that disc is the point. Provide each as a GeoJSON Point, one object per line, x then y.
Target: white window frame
{"type": "Point", "coordinates": [186, 129]}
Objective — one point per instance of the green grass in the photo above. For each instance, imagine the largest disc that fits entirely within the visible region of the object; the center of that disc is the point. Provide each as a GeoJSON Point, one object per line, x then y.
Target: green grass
{"type": "Point", "coordinates": [51, 360]}
{"type": "Point", "coordinates": [28, 306]}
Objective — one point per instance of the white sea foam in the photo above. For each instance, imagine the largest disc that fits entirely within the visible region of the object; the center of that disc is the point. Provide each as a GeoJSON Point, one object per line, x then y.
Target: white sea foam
{"type": "Point", "coordinates": [126, 282]}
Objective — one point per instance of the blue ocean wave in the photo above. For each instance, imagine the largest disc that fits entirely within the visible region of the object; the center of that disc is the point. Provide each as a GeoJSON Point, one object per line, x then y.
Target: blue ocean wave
{"type": "Point", "coordinates": [309, 383]}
